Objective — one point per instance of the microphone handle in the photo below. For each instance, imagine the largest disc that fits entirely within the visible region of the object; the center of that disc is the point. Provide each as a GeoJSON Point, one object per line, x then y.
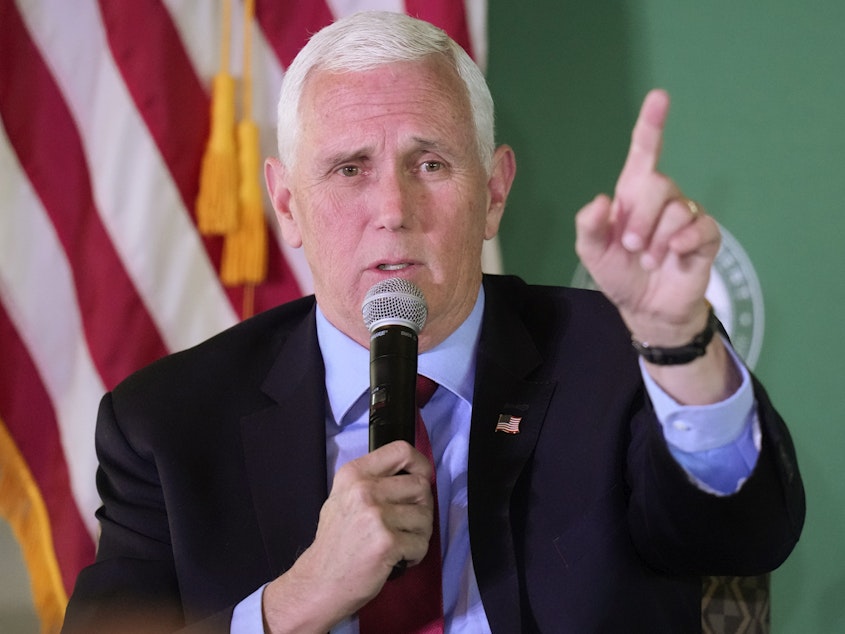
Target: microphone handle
{"type": "Point", "coordinates": [393, 392]}
{"type": "Point", "coordinates": [393, 381]}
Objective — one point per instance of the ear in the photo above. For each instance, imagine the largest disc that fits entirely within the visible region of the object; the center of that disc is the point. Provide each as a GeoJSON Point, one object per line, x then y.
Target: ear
{"type": "Point", "coordinates": [276, 176]}
{"type": "Point", "coordinates": [498, 188]}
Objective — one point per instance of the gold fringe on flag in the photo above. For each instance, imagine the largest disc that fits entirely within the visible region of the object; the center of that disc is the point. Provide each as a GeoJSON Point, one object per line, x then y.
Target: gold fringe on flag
{"type": "Point", "coordinates": [245, 249]}
{"type": "Point", "coordinates": [217, 200]}
{"type": "Point", "coordinates": [23, 507]}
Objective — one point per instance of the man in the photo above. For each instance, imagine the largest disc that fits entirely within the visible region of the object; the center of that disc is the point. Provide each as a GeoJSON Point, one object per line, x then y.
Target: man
{"type": "Point", "coordinates": [237, 487]}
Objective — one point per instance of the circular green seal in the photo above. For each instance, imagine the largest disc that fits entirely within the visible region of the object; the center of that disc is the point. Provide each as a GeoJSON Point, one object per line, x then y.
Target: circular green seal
{"type": "Point", "coordinates": [735, 293]}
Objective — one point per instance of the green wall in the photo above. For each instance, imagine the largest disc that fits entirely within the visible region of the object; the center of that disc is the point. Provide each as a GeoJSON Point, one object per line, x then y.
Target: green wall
{"type": "Point", "coordinates": [756, 133]}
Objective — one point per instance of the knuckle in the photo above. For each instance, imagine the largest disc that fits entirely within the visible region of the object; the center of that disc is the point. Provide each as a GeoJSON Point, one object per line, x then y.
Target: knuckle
{"type": "Point", "coordinates": [360, 493]}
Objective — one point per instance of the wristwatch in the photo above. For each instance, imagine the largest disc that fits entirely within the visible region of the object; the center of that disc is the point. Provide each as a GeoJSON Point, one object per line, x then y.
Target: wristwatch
{"type": "Point", "coordinates": [681, 354]}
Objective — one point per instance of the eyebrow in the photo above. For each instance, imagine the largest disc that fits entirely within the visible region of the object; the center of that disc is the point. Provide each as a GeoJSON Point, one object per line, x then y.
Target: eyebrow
{"type": "Point", "coordinates": [341, 157]}
{"type": "Point", "coordinates": [346, 157]}
{"type": "Point", "coordinates": [426, 144]}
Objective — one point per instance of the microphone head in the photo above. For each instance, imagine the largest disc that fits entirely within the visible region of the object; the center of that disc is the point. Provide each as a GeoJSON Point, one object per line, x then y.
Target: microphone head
{"type": "Point", "coordinates": [392, 302]}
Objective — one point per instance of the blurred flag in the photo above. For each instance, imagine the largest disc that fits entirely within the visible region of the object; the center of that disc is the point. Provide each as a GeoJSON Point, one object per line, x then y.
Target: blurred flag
{"type": "Point", "coordinates": [104, 118]}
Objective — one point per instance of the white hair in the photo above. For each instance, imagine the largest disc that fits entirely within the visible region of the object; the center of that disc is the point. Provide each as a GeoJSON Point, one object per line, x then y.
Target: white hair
{"type": "Point", "coordinates": [366, 40]}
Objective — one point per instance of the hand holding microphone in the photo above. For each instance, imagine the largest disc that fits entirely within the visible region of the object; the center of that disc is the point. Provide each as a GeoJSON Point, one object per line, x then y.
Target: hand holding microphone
{"type": "Point", "coordinates": [347, 545]}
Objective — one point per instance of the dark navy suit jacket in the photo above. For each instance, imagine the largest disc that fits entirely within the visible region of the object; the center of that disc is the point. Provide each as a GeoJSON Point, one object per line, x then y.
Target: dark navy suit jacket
{"type": "Point", "coordinates": [213, 472]}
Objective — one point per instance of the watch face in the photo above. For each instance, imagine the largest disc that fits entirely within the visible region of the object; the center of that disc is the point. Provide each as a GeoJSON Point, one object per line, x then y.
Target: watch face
{"type": "Point", "coordinates": [734, 292]}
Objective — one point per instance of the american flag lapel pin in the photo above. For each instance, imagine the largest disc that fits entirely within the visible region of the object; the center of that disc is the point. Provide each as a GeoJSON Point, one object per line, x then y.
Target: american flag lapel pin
{"type": "Point", "coordinates": [508, 423]}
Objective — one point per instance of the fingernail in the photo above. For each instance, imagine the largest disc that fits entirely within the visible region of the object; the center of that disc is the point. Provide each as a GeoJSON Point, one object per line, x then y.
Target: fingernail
{"type": "Point", "coordinates": [632, 242]}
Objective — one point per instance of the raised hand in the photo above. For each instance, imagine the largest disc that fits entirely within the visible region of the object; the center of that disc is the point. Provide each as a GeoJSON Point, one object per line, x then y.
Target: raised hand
{"type": "Point", "coordinates": [650, 249]}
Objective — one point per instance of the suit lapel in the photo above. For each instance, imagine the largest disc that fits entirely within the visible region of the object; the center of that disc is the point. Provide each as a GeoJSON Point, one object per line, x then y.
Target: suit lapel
{"type": "Point", "coordinates": [285, 449]}
{"type": "Point", "coordinates": [507, 354]}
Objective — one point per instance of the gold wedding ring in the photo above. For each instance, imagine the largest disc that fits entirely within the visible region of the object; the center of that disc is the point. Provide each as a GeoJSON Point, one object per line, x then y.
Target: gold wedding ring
{"type": "Point", "coordinates": [693, 207]}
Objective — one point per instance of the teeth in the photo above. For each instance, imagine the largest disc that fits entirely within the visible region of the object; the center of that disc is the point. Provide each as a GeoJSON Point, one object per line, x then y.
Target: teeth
{"type": "Point", "coordinates": [392, 267]}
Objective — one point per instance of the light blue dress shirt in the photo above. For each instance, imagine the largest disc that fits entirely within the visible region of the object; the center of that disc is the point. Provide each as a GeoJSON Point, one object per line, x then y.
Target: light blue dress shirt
{"type": "Point", "coordinates": [716, 444]}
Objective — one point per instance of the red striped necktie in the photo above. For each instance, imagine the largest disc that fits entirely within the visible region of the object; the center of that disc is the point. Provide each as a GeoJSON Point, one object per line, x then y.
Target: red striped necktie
{"type": "Point", "coordinates": [412, 603]}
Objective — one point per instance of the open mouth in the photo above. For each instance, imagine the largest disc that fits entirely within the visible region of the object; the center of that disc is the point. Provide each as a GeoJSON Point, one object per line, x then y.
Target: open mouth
{"type": "Point", "coordinates": [393, 267]}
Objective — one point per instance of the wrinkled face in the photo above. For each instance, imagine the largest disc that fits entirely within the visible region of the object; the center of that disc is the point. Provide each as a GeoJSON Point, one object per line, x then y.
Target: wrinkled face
{"type": "Point", "coordinates": [387, 182]}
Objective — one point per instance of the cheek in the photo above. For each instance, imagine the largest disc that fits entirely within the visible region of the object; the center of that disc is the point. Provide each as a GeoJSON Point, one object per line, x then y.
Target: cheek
{"type": "Point", "coordinates": [469, 224]}
{"type": "Point", "coordinates": [459, 243]}
{"type": "Point", "coordinates": [326, 219]}
{"type": "Point", "coordinates": [317, 222]}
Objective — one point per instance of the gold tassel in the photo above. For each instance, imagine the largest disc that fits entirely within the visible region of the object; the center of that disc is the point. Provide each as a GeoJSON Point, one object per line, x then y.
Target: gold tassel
{"type": "Point", "coordinates": [245, 249]}
{"type": "Point", "coordinates": [217, 200]}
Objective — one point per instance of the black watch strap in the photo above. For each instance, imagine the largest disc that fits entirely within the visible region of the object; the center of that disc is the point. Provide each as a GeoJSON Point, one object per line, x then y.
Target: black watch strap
{"type": "Point", "coordinates": [682, 354]}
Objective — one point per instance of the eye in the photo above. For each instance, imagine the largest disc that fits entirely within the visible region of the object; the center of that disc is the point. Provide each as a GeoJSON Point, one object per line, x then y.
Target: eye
{"type": "Point", "coordinates": [431, 166]}
{"type": "Point", "coordinates": [349, 170]}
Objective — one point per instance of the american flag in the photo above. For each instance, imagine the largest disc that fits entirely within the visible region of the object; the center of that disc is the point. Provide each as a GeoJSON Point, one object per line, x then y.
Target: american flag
{"type": "Point", "coordinates": [104, 119]}
{"type": "Point", "coordinates": [508, 424]}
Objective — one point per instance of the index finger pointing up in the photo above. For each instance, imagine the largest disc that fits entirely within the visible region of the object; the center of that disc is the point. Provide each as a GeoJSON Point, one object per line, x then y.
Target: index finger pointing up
{"type": "Point", "coordinates": [647, 137]}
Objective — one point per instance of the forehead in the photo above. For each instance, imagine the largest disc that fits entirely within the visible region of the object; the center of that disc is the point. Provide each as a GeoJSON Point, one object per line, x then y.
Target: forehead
{"type": "Point", "coordinates": [428, 92]}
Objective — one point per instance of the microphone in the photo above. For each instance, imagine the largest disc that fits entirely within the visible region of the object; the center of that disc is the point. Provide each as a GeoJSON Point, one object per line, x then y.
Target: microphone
{"type": "Point", "coordinates": [394, 312]}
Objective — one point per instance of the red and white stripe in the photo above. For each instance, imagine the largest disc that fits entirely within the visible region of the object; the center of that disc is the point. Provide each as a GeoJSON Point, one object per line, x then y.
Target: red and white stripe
{"type": "Point", "coordinates": [104, 116]}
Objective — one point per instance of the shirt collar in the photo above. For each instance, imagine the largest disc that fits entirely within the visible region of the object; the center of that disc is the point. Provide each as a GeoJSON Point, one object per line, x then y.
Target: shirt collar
{"type": "Point", "coordinates": [451, 363]}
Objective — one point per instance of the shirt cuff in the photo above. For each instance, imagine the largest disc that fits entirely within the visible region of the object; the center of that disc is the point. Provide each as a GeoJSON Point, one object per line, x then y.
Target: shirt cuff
{"type": "Point", "coordinates": [693, 428]}
{"type": "Point", "coordinates": [248, 617]}
{"type": "Point", "coordinates": [717, 445]}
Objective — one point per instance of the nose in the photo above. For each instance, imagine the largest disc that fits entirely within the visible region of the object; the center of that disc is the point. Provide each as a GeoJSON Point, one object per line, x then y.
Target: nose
{"type": "Point", "coordinates": [392, 202]}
